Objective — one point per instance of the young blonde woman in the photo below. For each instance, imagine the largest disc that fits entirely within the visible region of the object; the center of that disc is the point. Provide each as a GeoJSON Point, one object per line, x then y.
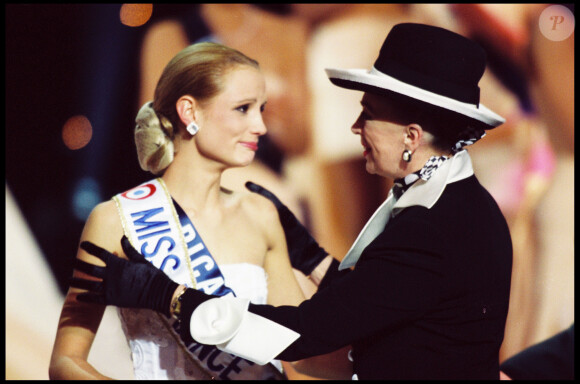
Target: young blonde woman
{"type": "Point", "coordinates": [206, 117]}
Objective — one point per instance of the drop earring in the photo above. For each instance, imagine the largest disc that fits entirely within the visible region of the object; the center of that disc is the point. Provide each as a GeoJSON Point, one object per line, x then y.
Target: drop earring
{"type": "Point", "coordinates": [192, 128]}
{"type": "Point", "coordinates": [407, 155]}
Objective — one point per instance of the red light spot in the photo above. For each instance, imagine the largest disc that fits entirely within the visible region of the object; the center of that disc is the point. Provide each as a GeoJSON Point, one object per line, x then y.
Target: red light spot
{"type": "Point", "coordinates": [135, 15]}
{"type": "Point", "coordinates": [77, 132]}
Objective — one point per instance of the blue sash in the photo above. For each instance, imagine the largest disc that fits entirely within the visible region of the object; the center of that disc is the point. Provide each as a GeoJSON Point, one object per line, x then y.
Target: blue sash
{"type": "Point", "coordinates": [206, 271]}
{"type": "Point", "coordinates": [161, 231]}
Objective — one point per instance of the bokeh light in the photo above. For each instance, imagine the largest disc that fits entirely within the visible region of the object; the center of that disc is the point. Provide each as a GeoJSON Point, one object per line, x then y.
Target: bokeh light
{"type": "Point", "coordinates": [77, 132]}
{"type": "Point", "coordinates": [86, 195]}
{"type": "Point", "coordinates": [135, 15]}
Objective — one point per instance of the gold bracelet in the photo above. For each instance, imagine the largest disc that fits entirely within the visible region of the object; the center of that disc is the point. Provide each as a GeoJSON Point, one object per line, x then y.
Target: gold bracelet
{"type": "Point", "coordinates": [176, 304]}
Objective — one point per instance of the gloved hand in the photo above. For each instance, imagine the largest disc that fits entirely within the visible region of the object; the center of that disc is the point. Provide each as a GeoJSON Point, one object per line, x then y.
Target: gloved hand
{"type": "Point", "coordinates": [128, 284]}
{"type": "Point", "coordinates": [305, 253]}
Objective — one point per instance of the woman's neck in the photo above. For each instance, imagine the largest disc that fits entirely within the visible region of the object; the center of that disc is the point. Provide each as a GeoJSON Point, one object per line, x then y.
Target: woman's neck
{"type": "Point", "coordinates": [420, 157]}
{"type": "Point", "coordinates": [194, 185]}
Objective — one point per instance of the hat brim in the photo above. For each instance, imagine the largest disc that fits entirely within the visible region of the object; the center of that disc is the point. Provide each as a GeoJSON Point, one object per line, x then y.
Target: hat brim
{"type": "Point", "coordinates": [374, 80]}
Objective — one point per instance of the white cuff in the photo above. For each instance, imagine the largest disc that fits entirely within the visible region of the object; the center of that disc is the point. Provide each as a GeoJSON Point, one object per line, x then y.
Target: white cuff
{"type": "Point", "coordinates": [227, 323]}
{"type": "Point", "coordinates": [217, 320]}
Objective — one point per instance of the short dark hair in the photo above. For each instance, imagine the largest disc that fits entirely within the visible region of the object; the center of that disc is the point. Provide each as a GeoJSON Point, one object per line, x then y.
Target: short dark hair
{"type": "Point", "coordinates": [447, 127]}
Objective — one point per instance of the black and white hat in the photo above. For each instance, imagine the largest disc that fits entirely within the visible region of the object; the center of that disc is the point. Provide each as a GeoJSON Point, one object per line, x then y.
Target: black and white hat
{"type": "Point", "coordinates": [429, 64]}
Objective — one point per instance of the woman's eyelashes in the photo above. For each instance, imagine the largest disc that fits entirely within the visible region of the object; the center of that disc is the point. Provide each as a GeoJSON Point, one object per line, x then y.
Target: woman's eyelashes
{"type": "Point", "coordinates": [243, 108]}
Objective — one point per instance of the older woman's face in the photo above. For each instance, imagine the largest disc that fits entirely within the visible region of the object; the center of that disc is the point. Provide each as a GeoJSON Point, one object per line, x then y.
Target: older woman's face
{"type": "Point", "coordinates": [382, 140]}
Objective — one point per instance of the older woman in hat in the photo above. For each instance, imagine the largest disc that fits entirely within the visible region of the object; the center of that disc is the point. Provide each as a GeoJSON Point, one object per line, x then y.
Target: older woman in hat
{"type": "Point", "coordinates": [428, 295]}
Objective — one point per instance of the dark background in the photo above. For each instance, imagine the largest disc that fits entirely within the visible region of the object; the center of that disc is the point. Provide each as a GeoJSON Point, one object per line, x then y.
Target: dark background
{"type": "Point", "coordinates": [64, 60]}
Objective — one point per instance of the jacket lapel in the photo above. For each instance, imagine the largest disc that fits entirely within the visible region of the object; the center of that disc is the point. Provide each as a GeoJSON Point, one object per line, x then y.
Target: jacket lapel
{"type": "Point", "coordinates": [371, 230]}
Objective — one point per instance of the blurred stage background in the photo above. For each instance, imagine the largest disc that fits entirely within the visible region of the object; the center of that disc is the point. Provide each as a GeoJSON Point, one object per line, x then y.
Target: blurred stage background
{"type": "Point", "coordinates": [62, 62]}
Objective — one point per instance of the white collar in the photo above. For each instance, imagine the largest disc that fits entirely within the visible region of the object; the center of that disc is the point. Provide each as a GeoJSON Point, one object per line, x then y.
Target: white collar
{"type": "Point", "coordinates": [426, 193]}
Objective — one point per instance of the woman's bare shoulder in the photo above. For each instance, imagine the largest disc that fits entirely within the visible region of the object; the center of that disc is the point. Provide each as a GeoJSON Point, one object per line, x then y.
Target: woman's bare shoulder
{"type": "Point", "coordinates": [258, 207]}
{"type": "Point", "coordinates": [104, 213]}
{"type": "Point", "coordinates": [103, 227]}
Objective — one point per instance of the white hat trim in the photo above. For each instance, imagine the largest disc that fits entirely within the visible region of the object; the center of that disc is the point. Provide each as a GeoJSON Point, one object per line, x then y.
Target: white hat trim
{"type": "Point", "coordinates": [378, 79]}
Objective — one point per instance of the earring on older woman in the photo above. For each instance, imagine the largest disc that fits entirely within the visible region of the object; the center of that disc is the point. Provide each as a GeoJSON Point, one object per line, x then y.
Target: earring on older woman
{"type": "Point", "coordinates": [407, 155]}
{"type": "Point", "coordinates": [192, 128]}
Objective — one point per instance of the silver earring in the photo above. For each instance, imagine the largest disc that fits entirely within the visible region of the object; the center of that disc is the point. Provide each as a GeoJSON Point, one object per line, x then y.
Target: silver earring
{"type": "Point", "coordinates": [192, 128]}
{"type": "Point", "coordinates": [407, 155]}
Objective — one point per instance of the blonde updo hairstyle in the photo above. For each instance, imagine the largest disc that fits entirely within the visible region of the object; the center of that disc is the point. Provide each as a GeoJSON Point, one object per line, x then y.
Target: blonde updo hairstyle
{"type": "Point", "coordinates": [198, 71]}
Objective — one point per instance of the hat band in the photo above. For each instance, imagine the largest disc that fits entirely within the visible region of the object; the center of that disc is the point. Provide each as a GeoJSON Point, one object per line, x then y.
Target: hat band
{"type": "Point", "coordinates": [375, 81]}
{"type": "Point", "coordinates": [436, 85]}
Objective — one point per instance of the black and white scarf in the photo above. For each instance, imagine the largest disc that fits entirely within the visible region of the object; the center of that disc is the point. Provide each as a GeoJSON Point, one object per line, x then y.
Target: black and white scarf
{"type": "Point", "coordinates": [425, 173]}
{"type": "Point", "coordinates": [469, 137]}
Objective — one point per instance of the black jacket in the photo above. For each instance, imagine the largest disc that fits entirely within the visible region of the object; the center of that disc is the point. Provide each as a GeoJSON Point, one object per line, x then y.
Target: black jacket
{"type": "Point", "coordinates": [428, 298]}
{"type": "Point", "coordinates": [551, 359]}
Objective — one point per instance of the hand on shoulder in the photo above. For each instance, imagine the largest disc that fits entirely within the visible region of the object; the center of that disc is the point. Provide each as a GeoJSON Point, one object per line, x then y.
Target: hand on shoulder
{"type": "Point", "coordinates": [260, 210]}
{"type": "Point", "coordinates": [103, 228]}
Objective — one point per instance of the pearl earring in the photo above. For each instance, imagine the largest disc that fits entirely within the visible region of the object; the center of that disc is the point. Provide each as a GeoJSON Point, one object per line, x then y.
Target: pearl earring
{"type": "Point", "coordinates": [192, 128]}
{"type": "Point", "coordinates": [407, 155]}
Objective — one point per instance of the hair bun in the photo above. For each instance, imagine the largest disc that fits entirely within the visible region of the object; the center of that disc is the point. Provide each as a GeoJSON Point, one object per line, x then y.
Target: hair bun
{"type": "Point", "coordinates": [154, 147]}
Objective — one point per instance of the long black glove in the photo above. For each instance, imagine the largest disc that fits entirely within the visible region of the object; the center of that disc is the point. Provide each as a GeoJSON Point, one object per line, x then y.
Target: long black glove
{"type": "Point", "coordinates": [128, 284]}
{"type": "Point", "coordinates": [305, 253]}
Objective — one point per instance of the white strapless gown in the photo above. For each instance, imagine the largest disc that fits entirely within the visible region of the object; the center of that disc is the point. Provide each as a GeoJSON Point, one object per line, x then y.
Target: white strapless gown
{"type": "Point", "coordinates": [157, 353]}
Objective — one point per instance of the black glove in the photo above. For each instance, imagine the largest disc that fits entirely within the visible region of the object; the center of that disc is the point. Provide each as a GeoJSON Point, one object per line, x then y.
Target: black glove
{"type": "Point", "coordinates": [128, 284]}
{"type": "Point", "coordinates": [332, 273]}
{"type": "Point", "coordinates": [305, 253]}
